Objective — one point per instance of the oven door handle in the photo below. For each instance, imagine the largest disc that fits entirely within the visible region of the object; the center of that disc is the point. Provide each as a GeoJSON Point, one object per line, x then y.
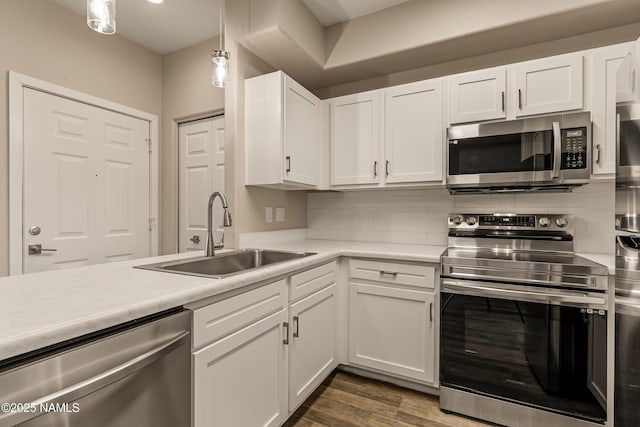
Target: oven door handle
{"type": "Point", "coordinates": [578, 299]}
{"type": "Point", "coordinates": [557, 149]}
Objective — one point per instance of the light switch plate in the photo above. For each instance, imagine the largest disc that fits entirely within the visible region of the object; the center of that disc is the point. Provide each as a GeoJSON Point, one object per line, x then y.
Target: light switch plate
{"type": "Point", "coordinates": [279, 214]}
{"type": "Point", "coordinates": [268, 217]}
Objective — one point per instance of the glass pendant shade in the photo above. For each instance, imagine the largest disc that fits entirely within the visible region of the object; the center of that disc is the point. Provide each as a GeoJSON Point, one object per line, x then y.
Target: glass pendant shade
{"type": "Point", "coordinates": [220, 73]}
{"type": "Point", "coordinates": [101, 16]}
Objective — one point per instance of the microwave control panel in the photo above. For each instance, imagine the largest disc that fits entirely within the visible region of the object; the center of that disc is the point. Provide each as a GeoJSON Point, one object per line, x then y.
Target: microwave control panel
{"type": "Point", "coordinates": [574, 148]}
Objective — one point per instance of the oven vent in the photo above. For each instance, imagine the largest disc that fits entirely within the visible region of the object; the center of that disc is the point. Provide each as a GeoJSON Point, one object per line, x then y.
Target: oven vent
{"type": "Point", "coordinates": [513, 189]}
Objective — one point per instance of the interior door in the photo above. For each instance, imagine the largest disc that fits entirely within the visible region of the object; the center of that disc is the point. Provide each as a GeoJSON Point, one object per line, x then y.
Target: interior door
{"type": "Point", "coordinates": [86, 184]}
{"type": "Point", "coordinates": [201, 164]}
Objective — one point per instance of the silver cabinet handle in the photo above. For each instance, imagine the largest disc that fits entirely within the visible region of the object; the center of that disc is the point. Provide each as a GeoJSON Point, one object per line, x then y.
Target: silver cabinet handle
{"type": "Point", "coordinates": [598, 149]}
{"type": "Point", "coordinates": [296, 327]}
{"type": "Point", "coordinates": [388, 273]}
{"type": "Point", "coordinates": [375, 168]}
{"type": "Point", "coordinates": [431, 312]}
{"type": "Point", "coordinates": [95, 383]}
{"type": "Point", "coordinates": [520, 99]}
{"type": "Point", "coordinates": [285, 325]}
{"type": "Point", "coordinates": [557, 149]}
{"type": "Point", "coordinates": [503, 101]}
{"type": "Point", "coordinates": [38, 249]}
{"type": "Point", "coordinates": [633, 81]}
{"type": "Point", "coordinates": [386, 168]}
{"type": "Point", "coordinates": [195, 239]}
{"type": "Point", "coordinates": [288, 159]}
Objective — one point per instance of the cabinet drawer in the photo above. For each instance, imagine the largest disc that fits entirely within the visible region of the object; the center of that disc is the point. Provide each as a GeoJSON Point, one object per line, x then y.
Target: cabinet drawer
{"type": "Point", "coordinates": [227, 316]}
{"type": "Point", "coordinates": [310, 281]}
{"type": "Point", "coordinates": [392, 272]}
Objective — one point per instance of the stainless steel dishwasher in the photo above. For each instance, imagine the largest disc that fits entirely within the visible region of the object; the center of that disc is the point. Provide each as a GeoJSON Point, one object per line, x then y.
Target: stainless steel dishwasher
{"type": "Point", "coordinates": [136, 374]}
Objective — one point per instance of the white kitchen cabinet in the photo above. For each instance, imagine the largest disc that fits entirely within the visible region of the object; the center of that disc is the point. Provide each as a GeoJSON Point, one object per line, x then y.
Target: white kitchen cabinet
{"type": "Point", "coordinates": [356, 123]}
{"type": "Point", "coordinates": [477, 96]}
{"type": "Point", "coordinates": [241, 380]}
{"type": "Point", "coordinates": [606, 63]}
{"type": "Point", "coordinates": [312, 345]}
{"type": "Point", "coordinates": [392, 318]}
{"type": "Point", "coordinates": [414, 133]}
{"type": "Point", "coordinates": [283, 133]}
{"type": "Point", "coordinates": [549, 85]}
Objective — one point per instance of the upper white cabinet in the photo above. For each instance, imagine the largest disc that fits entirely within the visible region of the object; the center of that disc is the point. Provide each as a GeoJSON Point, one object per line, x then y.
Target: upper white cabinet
{"type": "Point", "coordinates": [606, 62]}
{"type": "Point", "coordinates": [283, 132]}
{"type": "Point", "coordinates": [392, 136]}
{"type": "Point", "coordinates": [477, 96]}
{"type": "Point", "coordinates": [549, 85]}
{"type": "Point", "coordinates": [355, 138]}
{"type": "Point", "coordinates": [414, 133]}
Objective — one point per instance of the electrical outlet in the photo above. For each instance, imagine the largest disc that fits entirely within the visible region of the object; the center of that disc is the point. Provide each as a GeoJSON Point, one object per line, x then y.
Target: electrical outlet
{"type": "Point", "coordinates": [268, 215]}
{"type": "Point", "coordinates": [279, 214]}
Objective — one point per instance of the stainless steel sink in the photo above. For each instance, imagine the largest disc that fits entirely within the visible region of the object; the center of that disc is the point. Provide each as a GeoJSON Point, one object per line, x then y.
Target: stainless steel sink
{"type": "Point", "coordinates": [226, 264]}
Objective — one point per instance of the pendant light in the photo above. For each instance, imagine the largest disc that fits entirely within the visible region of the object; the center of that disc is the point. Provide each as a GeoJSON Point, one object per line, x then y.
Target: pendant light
{"type": "Point", "coordinates": [101, 16]}
{"type": "Point", "coordinates": [220, 58]}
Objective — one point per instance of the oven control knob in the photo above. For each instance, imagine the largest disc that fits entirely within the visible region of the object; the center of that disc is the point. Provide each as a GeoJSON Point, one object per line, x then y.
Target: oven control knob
{"type": "Point", "coordinates": [544, 221]}
{"type": "Point", "coordinates": [471, 220]}
{"type": "Point", "coordinates": [457, 219]}
{"type": "Point", "coordinates": [561, 221]}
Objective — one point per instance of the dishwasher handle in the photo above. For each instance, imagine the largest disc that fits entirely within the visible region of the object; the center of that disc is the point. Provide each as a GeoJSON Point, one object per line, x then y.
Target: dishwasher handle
{"type": "Point", "coordinates": [95, 383]}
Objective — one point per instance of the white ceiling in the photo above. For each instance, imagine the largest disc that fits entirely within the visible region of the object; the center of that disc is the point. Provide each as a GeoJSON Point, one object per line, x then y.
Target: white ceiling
{"type": "Point", "coordinates": [330, 12]}
{"type": "Point", "coordinates": [162, 28]}
{"type": "Point", "coordinates": [175, 24]}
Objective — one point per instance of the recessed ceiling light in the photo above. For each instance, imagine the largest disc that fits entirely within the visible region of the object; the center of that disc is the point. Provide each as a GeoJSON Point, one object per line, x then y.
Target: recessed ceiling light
{"type": "Point", "coordinates": [155, 1]}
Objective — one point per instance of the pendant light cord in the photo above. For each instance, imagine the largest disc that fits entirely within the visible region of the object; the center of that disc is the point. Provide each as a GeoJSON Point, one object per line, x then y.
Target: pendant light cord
{"type": "Point", "coordinates": [222, 9]}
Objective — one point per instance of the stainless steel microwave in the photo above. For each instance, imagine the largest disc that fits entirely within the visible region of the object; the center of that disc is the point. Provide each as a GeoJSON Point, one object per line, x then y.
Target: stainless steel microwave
{"type": "Point", "coordinates": [542, 153]}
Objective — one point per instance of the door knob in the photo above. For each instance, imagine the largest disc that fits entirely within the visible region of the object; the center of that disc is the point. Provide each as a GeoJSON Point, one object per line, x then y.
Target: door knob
{"type": "Point", "coordinates": [37, 249]}
{"type": "Point", "coordinates": [195, 239]}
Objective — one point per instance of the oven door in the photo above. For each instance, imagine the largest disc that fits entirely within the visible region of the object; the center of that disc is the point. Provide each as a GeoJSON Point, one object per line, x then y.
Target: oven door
{"type": "Point", "coordinates": [535, 346]}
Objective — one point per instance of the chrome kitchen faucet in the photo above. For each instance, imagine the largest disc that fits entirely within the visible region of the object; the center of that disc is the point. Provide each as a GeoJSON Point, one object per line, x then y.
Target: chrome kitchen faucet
{"type": "Point", "coordinates": [209, 246]}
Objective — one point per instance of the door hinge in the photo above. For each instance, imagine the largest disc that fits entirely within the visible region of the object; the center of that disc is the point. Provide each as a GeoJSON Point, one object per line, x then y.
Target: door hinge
{"type": "Point", "coordinates": [151, 222]}
{"type": "Point", "coordinates": [148, 143]}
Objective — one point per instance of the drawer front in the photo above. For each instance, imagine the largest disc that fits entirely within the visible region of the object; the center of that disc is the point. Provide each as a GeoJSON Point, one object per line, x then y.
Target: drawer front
{"type": "Point", "coordinates": [310, 281]}
{"type": "Point", "coordinates": [227, 316]}
{"type": "Point", "coordinates": [392, 272]}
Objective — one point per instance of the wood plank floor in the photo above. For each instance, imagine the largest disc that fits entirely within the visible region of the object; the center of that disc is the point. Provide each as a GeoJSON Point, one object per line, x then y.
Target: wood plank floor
{"type": "Point", "coordinates": [347, 400]}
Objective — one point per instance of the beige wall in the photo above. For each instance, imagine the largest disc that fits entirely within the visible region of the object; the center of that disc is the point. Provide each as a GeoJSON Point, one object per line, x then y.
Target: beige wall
{"type": "Point", "coordinates": [43, 40]}
{"type": "Point", "coordinates": [187, 93]}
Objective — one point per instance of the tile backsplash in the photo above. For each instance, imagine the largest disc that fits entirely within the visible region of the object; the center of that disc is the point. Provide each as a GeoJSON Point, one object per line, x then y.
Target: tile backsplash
{"type": "Point", "coordinates": [420, 216]}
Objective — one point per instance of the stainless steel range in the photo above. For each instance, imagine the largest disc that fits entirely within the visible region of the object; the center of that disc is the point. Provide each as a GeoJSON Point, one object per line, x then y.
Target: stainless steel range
{"type": "Point", "coordinates": [524, 323]}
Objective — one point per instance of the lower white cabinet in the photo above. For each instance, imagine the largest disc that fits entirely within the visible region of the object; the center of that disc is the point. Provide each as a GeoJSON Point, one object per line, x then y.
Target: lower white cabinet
{"type": "Point", "coordinates": [312, 346]}
{"type": "Point", "coordinates": [392, 318]}
{"type": "Point", "coordinates": [241, 380]}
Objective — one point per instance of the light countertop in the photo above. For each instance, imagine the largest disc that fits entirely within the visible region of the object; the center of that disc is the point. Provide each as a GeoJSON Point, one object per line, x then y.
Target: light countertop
{"type": "Point", "coordinates": [41, 309]}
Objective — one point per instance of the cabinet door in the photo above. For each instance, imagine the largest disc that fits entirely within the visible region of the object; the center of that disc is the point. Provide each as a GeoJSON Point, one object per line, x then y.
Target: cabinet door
{"type": "Point", "coordinates": [241, 380]}
{"type": "Point", "coordinates": [477, 96]}
{"type": "Point", "coordinates": [302, 133]}
{"type": "Point", "coordinates": [355, 138]}
{"type": "Point", "coordinates": [414, 132]}
{"type": "Point", "coordinates": [312, 349]}
{"type": "Point", "coordinates": [549, 85]}
{"type": "Point", "coordinates": [606, 63]}
{"type": "Point", "coordinates": [392, 330]}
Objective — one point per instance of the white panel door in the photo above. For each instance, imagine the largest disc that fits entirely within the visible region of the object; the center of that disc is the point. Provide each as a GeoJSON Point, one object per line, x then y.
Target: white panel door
{"type": "Point", "coordinates": [312, 349]}
{"type": "Point", "coordinates": [86, 184]}
{"type": "Point", "coordinates": [302, 134]}
{"type": "Point", "coordinates": [606, 63]}
{"type": "Point", "coordinates": [241, 380]}
{"type": "Point", "coordinates": [393, 330]}
{"type": "Point", "coordinates": [414, 133]}
{"type": "Point", "coordinates": [355, 138]}
{"type": "Point", "coordinates": [477, 96]}
{"type": "Point", "coordinates": [201, 172]}
{"type": "Point", "coordinates": [549, 85]}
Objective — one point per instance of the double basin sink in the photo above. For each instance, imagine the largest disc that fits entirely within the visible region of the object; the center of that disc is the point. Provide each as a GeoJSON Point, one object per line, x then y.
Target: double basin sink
{"type": "Point", "coordinates": [227, 263]}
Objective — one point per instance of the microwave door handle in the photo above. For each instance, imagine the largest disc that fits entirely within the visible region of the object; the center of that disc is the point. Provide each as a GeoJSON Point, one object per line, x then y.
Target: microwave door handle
{"type": "Point", "coordinates": [557, 150]}
{"type": "Point", "coordinates": [617, 140]}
